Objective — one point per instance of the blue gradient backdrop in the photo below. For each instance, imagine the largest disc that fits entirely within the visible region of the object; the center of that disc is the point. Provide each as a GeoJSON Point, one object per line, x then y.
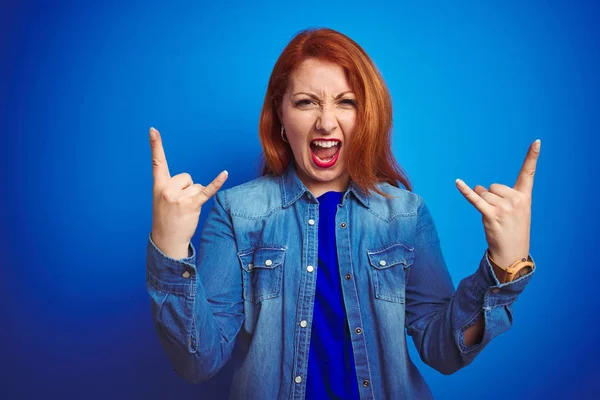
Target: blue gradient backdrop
{"type": "Point", "coordinates": [473, 85]}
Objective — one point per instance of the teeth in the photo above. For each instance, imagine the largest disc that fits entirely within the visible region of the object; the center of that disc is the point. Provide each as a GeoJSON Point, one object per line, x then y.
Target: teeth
{"type": "Point", "coordinates": [325, 144]}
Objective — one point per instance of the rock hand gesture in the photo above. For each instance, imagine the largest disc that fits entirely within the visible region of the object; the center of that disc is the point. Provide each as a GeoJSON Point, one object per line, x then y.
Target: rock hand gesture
{"type": "Point", "coordinates": [177, 203]}
{"type": "Point", "coordinates": [506, 211]}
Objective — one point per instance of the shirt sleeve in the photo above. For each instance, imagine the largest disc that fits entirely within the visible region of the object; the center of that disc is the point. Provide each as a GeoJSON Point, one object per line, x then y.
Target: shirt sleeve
{"type": "Point", "coordinates": [197, 304]}
{"type": "Point", "coordinates": [437, 315]}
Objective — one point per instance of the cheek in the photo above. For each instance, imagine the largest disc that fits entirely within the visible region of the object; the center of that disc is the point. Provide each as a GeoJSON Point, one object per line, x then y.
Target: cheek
{"type": "Point", "coordinates": [297, 139]}
{"type": "Point", "coordinates": [297, 127]}
{"type": "Point", "coordinates": [300, 121]}
{"type": "Point", "coordinates": [348, 124]}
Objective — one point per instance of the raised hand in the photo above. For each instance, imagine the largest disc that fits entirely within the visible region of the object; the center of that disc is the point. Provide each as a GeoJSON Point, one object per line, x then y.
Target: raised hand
{"type": "Point", "coordinates": [506, 211]}
{"type": "Point", "coordinates": [177, 202]}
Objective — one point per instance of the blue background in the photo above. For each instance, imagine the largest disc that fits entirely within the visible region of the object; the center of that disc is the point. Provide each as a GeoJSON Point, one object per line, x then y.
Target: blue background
{"type": "Point", "coordinates": [472, 85]}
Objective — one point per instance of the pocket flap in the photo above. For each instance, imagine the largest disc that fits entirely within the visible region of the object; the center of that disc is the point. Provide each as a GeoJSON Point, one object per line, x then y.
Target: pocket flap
{"type": "Point", "coordinates": [399, 253]}
{"type": "Point", "coordinates": [262, 257]}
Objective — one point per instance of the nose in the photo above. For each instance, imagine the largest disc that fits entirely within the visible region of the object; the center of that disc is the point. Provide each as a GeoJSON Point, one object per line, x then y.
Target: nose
{"type": "Point", "coordinates": [326, 121]}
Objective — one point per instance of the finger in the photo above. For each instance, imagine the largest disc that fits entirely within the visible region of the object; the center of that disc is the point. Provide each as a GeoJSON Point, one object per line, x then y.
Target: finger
{"type": "Point", "coordinates": [160, 169]}
{"type": "Point", "coordinates": [192, 190]}
{"type": "Point", "coordinates": [524, 182]}
{"type": "Point", "coordinates": [502, 190]}
{"type": "Point", "coordinates": [181, 181]}
{"type": "Point", "coordinates": [479, 189]}
{"type": "Point", "coordinates": [488, 196]}
{"type": "Point", "coordinates": [172, 191]}
{"type": "Point", "coordinates": [208, 191]}
{"type": "Point", "coordinates": [473, 198]}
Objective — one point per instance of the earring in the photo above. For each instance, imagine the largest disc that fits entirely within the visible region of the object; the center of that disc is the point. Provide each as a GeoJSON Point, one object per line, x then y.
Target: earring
{"type": "Point", "coordinates": [282, 132]}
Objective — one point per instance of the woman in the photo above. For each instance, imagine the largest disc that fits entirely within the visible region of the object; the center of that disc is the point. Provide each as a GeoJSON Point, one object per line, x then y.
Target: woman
{"type": "Point", "coordinates": [315, 268]}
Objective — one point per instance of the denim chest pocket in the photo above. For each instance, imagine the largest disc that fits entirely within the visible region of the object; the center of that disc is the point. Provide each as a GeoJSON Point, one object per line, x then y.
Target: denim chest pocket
{"type": "Point", "coordinates": [389, 267]}
{"type": "Point", "coordinates": [262, 273]}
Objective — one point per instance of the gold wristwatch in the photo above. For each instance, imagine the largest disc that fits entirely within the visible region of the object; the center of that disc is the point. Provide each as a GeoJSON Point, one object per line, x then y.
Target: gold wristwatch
{"type": "Point", "coordinates": [519, 268]}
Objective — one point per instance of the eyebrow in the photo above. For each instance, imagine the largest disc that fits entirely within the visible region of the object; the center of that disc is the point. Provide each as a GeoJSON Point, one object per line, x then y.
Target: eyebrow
{"type": "Point", "coordinates": [317, 98]}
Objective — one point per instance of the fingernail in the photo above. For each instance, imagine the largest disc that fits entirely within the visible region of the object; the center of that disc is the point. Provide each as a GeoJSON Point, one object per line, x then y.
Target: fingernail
{"type": "Point", "coordinates": [460, 182]}
{"type": "Point", "coordinates": [152, 133]}
{"type": "Point", "coordinates": [224, 174]}
{"type": "Point", "coordinates": [538, 144]}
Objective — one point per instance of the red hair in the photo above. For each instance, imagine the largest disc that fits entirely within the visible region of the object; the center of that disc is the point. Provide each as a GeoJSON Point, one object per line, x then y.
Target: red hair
{"type": "Point", "coordinates": [370, 159]}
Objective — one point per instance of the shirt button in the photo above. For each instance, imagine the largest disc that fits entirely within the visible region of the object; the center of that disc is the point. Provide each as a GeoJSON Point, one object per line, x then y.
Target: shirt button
{"type": "Point", "coordinates": [311, 221]}
{"type": "Point", "coordinates": [186, 274]}
{"type": "Point", "coordinates": [358, 330]}
{"type": "Point", "coordinates": [382, 263]}
{"type": "Point", "coordinates": [496, 290]}
{"type": "Point", "coordinates": [303, 323]}
{"type": "Point", "coordinates": [310, 268]}
{"type": "Point", "coordinates": [366, 383]}
{"type": "Point", "coordinates": [343, 225]}
{"type": "Point", "coordinates": [298, 379]}
{"type": "Point", "coordinates": [348, 276]}
{"type": "Point", "coordinates": [268, 262]}
{"type": "Point", "coordinates": [250, 266]}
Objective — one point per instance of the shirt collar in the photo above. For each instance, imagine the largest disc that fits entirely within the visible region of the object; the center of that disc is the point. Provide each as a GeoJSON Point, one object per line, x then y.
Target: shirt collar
{"type": "Point", "coordinates": [292, 188]}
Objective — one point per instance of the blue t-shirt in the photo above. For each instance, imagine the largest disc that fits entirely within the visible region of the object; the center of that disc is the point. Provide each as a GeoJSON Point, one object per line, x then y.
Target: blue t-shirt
{"type": "Point", "coordinates": [331, 371]}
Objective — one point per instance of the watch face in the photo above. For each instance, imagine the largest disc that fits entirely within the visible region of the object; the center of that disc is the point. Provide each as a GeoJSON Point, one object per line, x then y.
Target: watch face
{"type": "Point", "coordinates": [523, 271]}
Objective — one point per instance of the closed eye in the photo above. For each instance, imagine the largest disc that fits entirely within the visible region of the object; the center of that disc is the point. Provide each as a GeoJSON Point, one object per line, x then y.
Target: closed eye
{"type": "Point", "coordinates": [306, 102]}
{"type": "Point", "coordinates": [303, 102]}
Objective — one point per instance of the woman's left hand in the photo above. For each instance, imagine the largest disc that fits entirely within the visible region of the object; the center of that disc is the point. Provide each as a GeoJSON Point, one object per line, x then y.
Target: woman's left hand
{"type": "Point", "coordinates": [506, 212]}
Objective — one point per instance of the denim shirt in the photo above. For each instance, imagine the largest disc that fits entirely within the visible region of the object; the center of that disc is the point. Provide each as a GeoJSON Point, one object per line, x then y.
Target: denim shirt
{"type": "Point", "coordinates": [252, 282]}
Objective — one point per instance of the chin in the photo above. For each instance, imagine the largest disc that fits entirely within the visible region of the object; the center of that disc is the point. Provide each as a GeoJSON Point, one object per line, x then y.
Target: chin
{"type": "Point", "coordinates": [317, 174]}
{"type": "Point", "coordinates": [326, 175]}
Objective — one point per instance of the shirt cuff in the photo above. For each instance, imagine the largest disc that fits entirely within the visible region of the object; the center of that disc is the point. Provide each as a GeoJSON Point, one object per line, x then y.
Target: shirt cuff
{"type": "Point", "coordinates": [487, 286]}
{"type": "Point", "coordinates": [167, 271]}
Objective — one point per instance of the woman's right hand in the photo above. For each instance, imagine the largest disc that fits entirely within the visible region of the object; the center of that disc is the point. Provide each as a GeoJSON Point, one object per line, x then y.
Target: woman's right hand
{"type": "Point", "coordinates": [176, 204]}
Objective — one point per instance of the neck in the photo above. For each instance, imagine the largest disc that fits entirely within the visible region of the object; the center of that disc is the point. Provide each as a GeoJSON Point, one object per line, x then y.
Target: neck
{"type": "Point", "coordinates": [317, 188]}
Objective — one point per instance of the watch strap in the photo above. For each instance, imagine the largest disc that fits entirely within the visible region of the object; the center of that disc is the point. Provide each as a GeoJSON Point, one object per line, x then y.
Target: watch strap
{"type": "Point", "coordinates": [517, 269]}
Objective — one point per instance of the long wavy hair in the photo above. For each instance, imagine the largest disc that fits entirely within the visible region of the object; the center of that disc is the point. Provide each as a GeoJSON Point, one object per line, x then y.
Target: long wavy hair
{"type": "Point", "coordinates": [370, 159]}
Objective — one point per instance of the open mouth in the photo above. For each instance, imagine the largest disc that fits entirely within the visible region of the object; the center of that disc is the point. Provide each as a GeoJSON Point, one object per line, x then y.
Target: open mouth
{"type": "Point", "coordinates": [325, 153]}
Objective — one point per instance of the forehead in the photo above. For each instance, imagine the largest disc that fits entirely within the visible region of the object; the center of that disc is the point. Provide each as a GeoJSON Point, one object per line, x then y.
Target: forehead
{"type": "Point", "coordinates": [319, 76]}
